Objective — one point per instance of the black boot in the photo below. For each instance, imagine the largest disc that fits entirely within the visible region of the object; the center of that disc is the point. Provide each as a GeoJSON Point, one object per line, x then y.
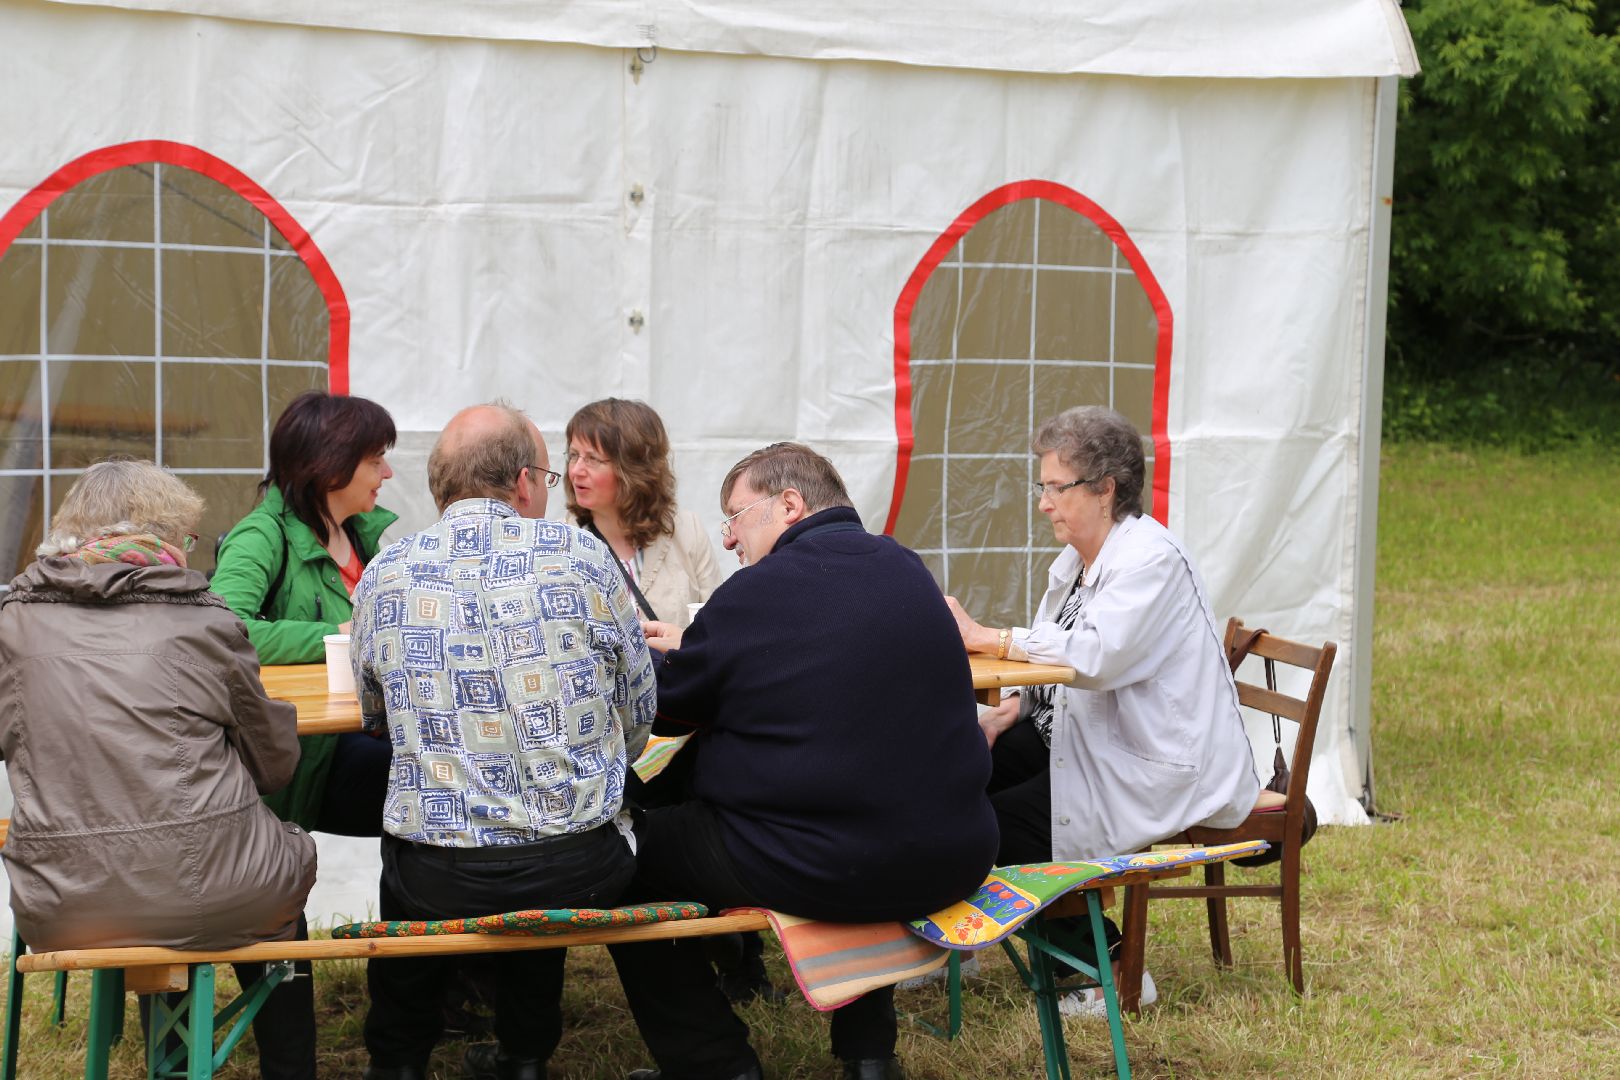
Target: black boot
{"type": "Point", "coordinates": [487, 1061]}
{"type": "Point", "coordinates": [873, 1069]}
{"type": "Point", "coordinates": [739, 964]}
{"type": "Point", "coordinates": [751, 1073]}
{"type": "Point", "coordinates": [400, 1072]}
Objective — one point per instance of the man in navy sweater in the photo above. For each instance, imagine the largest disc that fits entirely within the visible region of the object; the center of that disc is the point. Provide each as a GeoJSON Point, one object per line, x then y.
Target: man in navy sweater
{"type": "Point", "coordinates": [837, 769]}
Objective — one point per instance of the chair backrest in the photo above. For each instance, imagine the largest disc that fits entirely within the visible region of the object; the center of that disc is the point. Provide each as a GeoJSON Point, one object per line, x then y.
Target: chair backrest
{"type": "Point", "coordinates": [1305, 711]}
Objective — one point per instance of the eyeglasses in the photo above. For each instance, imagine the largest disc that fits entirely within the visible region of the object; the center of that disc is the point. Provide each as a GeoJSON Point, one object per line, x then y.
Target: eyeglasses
{"type": "Point", "coordinates": [591, 460]}
{"type": "Point", "coordinates": [551, 477]}
{"type": "Point", "coordinates": [188, 542]}
{"type": "Point", "coordinates": [1051, 489]}
{"type": "Point", "coordinates": [725, 526]}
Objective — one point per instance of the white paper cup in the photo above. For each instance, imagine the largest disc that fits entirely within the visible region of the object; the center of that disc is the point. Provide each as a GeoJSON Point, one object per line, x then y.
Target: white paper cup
{"type": "Point", "coordinates": [691, 612]}
{"type": "Point", "coordinates": [339, 673]}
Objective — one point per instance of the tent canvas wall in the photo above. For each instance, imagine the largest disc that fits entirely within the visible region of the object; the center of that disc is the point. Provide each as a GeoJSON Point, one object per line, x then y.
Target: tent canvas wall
{"type": "Point", "coordinates": [900, 235]}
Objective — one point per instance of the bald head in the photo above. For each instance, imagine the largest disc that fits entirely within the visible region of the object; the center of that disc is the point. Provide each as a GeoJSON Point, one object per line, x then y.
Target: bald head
{"type": "Point", "coordinates": [483, 453]}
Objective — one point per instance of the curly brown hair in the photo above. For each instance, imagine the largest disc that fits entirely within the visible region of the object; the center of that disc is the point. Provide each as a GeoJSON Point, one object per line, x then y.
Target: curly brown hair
{"type": "Point", "coordinates": [631, 437]}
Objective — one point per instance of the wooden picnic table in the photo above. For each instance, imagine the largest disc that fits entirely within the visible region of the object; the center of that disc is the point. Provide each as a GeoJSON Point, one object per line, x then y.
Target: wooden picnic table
{"type": "Point", "coordinates": [320, 713]}
{"type": "Point", "coordinates": [990, 675]}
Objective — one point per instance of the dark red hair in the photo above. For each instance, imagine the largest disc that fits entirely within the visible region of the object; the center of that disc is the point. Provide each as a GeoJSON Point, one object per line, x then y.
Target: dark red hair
{"type": "Point", "coordinates": [316, 446]}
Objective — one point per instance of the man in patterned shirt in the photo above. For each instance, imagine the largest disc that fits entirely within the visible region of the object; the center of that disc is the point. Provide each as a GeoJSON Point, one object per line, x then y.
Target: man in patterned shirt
{"type": "Point", "coordinates": [499, 652]}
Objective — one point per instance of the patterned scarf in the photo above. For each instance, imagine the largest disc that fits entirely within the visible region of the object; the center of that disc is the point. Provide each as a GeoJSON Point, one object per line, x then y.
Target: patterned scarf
{"type": "Point", "coordinates": [1041, 697]}
{"type": "Point", "coordinates": [138, 549]}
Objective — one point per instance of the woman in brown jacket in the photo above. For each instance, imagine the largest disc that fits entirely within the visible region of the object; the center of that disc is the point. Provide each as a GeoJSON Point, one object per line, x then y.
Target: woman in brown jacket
{"type": "Point", "coordinates": [138, 739]}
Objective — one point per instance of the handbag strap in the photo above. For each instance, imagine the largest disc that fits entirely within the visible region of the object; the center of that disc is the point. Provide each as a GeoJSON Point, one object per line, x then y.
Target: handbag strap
{"type": "Point", "coordinates": [1271, 684]}
{"type": "Point", "coordinates": [1235, 656]}
{"type": "Point", "coordinates": [641, 601]}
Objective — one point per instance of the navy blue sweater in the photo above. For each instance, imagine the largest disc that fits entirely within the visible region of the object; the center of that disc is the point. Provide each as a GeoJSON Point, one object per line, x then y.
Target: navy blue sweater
{"type": "Point", "coordinates": [837, 737]}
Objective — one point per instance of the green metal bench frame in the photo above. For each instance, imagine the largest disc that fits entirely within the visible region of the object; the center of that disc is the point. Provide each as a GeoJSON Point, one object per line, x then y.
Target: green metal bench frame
{"type": "Point", "coordinates": [1038, 975]}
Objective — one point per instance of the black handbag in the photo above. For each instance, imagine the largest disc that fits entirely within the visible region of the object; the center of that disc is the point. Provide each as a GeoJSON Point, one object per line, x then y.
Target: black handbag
{"type": "Point", "coordinates": [1279, 765]}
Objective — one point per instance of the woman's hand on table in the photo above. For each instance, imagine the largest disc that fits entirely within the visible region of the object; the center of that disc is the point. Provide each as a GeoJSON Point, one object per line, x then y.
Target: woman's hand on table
{"type": "Point", "coordinates": [997, 719]}
{"type": "Point", "coordinates": [663, 636]}
{"type": "Point", "coordinates": [977, 638]}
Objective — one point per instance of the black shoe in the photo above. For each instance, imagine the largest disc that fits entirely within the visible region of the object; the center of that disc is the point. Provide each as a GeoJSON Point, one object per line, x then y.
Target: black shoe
{"type": "Point", "coordinates": [743, 987]}
{"type": "Point", "coordinates": [873, 1069]}
{"type": "Point", "coordinates": [402, 1072]}
{"type": "Point", "coordinates": [487, 1061]}
{"type": "Point", "coordinates": [750, 1073]}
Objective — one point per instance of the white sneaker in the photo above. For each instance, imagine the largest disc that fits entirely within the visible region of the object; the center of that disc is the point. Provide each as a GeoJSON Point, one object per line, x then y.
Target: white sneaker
{"type": "Point", "coordinates": [1089, 1002]}
{"type": "Point", "coordinates": [970, 970]}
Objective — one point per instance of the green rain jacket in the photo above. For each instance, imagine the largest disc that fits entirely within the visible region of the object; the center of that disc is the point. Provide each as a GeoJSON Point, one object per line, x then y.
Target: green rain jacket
{"type": "Point", "coordinates": [287, 628]}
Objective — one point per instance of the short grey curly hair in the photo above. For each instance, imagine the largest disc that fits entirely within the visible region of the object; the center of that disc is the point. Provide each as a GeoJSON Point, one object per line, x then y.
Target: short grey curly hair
{"type": "Point", "coordinates": [121, 496]}
{"type": "Point", "coordinates": [1098, 443]}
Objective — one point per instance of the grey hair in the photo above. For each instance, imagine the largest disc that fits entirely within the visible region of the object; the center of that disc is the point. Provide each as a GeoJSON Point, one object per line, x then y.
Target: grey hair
{"type": "Point", "coordinates": [773, 469]}
{"type": "Point", "coordinates": [1099, 444]}
{"type": "Point", "coordinates": [121, 496]}
{"type": "Point", "coordinates": [482, 468]}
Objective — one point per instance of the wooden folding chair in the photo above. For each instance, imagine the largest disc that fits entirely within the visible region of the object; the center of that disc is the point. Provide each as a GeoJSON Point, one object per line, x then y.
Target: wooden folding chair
{"type": "Point", "coordinates": [1283, 826]}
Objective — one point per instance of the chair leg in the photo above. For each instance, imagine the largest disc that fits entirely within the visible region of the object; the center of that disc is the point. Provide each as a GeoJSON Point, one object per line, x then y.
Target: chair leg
{"type": "Point", "coordinates": [1220, 938]}
{"type": "Point", "coordinates": [953, 982]}
{"type": "Point", "coordinates": [1293, 953]}
{"type": "Point", "coordinates": [14, 1003]}
{"type": "Point", "coordinates": [1132, 946]}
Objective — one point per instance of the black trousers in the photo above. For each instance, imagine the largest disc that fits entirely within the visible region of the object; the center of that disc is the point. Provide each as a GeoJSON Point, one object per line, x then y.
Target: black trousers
{"type": "Point", "coordinates": [683, 1016]}
{"type": "Point", "coordinates": [422, 882]}
{"type": "Point", "coordinates": [1021, 791]}
{"type": "Point", "coordinates": [356, 786]}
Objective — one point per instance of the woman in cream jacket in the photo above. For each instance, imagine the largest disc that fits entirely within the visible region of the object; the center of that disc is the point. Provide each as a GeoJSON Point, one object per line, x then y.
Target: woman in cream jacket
{"type": "Point", "coordinates": [621, 489]}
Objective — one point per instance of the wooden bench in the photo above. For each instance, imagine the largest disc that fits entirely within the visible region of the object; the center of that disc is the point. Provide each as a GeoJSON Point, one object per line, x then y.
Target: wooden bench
{"type": "Point", "coordinates": [196, 1021]}
{"type": "Point", "coordinates": [116, 972]}
{"type": "Point", "coordinates": [152, 970]}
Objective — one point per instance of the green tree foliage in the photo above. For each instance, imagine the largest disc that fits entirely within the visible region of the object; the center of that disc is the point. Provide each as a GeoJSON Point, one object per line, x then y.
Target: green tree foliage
{"type": "Point", "coordinates": [1507, 193]}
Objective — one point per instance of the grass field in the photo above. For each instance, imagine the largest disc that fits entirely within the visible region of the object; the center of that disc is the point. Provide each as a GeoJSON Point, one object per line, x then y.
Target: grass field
{"type": "Point", "coordinates": [1478, 935]}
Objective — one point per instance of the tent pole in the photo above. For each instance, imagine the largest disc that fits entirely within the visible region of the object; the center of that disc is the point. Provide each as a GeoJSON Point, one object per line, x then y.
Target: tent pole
{"type": "Point", "coordinates": [1381, 192]}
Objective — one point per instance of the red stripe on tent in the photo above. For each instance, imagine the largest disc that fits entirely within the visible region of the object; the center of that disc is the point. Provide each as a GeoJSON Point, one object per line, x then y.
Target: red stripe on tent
{"type": "Point", "coordinates": [903, 308]}
{"type": "Point", "coordinates": [163, 152]}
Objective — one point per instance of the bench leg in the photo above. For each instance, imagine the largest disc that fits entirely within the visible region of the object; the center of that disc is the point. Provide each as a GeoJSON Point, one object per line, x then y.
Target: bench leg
{"type": "Point", "coordinates": [1105, 979]}
{"type": "Point", "coordinates": [953, 980]}
{"type": "Point", "coordinates": [200, 1029]}
{"type": "Point", "coordinates": [59, 1000]}
{"type": "Point", "coordinates": [14, 1003]}
{"type": "Point", "coordinates": [106, 994]}
{"type": "Point", "coordinates": [1041, 980]}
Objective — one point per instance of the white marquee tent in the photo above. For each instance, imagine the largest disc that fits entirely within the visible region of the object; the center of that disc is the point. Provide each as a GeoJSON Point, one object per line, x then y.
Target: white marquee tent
{"type": "Point", "coordinates": [899, 233]}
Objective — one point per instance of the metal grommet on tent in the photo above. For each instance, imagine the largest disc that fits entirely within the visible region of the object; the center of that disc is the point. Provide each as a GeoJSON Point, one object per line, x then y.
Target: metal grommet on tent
{"type": "Point", "coordinates": [640, 58]}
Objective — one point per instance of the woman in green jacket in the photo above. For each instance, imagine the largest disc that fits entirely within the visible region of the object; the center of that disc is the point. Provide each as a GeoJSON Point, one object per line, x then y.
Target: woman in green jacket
{"type": "Point", "coordinates": [288, 569]}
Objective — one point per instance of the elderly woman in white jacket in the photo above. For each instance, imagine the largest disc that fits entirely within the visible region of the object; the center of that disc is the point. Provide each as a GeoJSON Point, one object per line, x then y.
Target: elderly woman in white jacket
{"type": "Point", "coordinates": [1147, 740]}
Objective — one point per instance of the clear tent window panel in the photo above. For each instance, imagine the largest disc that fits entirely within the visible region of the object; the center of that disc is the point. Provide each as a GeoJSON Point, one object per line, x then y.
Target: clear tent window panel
{"type": "Point", "coordinates": [153, 311]}
{"type": "Point", "coordinates": [1033, 310]}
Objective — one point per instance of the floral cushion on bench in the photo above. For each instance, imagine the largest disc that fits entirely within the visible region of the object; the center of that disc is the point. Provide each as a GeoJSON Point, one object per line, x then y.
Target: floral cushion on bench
{"type": "Point", "coordinates": [533, 923]}
{"type": "Point", "coordinates": [1011, 894]}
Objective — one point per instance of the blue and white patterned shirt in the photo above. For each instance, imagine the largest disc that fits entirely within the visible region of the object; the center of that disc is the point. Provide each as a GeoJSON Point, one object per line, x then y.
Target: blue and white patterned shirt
{"type": "Point", "coordinates": [504, 655]}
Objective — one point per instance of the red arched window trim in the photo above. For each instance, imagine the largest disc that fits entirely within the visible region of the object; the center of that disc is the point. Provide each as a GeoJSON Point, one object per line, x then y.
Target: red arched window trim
{"type": "Point", "coordinates": [1073, 200]}
{"type": "Point", "coordinates": [163, 152]}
